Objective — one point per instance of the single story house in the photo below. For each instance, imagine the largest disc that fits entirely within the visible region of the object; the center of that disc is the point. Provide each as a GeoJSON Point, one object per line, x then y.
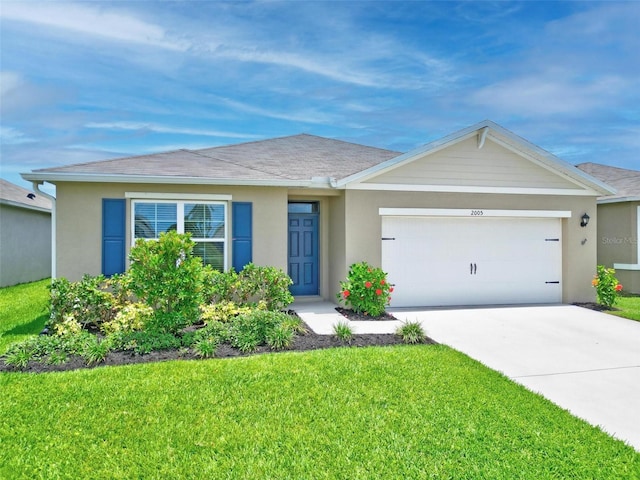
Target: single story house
{"type": "Point", "coordinates": [619, 223]}
{"type": "Point", "coordinates": [25, 235]}
{"type": "Point", "coordinates": [479, 217]}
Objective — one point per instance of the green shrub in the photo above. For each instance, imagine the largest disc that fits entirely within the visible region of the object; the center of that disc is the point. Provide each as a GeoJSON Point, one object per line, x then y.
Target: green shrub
{"type": "Point", "coordinates": [343, 331]}
{"type": "Point", "coordinates": [87, 301]}
{"type": "Point", "coordinates": [223, 311]}
{"type": "Point", "coordinates": [265, 284]}
{"type": "Point", "coordinates": [253, 286]}
{"type": "Point", "coordinates": [411, 332]}
{"type": "Point", "coordinates": [166, 276]}
{"type": "Point", "coordinates": [366, 290]}
{"type": "Point", "coordinates": [280, 337]}
{"type": "Point", "coordinates": [607, 286]}
{"type": "Point", "coordinates": [206, 347]}
{"type": "Point", "coordinates": [250, 330]}
{"type": "Point", "coordinates": [96, 350]}
{"type": "Point", "coordinates": [69, 326]}
{"type": "Point", "coordinates": [19, 355]}
{"type": "Point", "coordinates": [48, 348]}
{"type": "Point", "coordinates": [132, 317]}
{"type": "Point", "coordinates": [144, 341]}
{"type": "Point", "coordinates": [219, 286]}
{"type": "Point", "coordinates": [295, 324]}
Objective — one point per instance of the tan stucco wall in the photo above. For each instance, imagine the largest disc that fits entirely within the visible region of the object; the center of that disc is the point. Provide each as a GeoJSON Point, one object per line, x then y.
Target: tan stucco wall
{"type": "Point", "coordinates": [79, 222]}
{"type": "Point", "coordinates": [618, 241]}
{"type": "Point", "coordinates": [617, 233]}
{"type": "Point", "coordinates": [363, 227]}
{"type": "Point", "coordinates": [25, 245]}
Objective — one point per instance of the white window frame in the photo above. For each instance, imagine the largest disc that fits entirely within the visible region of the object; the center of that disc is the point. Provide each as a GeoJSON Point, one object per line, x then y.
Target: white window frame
{"type": "Point", "coordinates": [180, 202]}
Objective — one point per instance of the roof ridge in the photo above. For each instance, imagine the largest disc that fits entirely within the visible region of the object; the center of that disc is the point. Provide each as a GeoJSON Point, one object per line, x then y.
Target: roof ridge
{"type": "Point", "coordinates": [236, 164]}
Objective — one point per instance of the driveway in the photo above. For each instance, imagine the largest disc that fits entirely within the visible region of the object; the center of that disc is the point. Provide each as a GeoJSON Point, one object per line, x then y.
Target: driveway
{"type": "Point", "coordinates": [584, 361]}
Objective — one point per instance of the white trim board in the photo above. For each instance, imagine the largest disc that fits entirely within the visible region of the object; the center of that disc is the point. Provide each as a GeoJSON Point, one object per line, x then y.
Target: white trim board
{"type": "Point", "coordinates": [626, 266]}
{"type": "Point", "coordinates": [471, 212]}
{"type": "Point", "coordinates": [177, 196]}
{"type": "Point", "coordinates": [471, 189]}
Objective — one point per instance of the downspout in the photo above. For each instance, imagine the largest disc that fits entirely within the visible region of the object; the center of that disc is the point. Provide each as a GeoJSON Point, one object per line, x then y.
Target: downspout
{"type": "Point", "coordinates": [36, 188]}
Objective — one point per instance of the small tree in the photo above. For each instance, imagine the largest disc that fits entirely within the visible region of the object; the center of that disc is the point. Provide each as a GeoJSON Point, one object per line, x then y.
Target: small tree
{"type": "Point", "coordinates": [607, 286]}
{"type": "Point", "coordinates": [168, 277]}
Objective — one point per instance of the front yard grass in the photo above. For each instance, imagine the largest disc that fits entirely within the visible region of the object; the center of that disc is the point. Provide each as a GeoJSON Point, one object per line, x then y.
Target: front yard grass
{"type": "Point", "coordinates": [377, 412]}
{"type": "Point", "coordinates": [629, 307]}
{"type": "Point", "coordinates": [24, 309]}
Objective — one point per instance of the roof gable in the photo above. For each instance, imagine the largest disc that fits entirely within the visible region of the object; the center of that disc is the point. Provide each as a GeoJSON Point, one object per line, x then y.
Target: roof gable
{"type": "Point", "coordinates": [484, 158]}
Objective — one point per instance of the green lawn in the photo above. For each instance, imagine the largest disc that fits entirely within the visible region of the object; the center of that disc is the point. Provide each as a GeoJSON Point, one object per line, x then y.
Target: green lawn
{"type": "Point", "coordinates": [382, 412]}
{"type": "Point", "coordinates": [629, 307]}
{"type": "Point", "coordinates": [401, 412]}
{"type": "Point", "coordinates": [23, 311]}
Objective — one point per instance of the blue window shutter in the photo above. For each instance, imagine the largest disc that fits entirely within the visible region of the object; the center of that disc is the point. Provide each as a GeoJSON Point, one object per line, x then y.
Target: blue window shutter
{"type": "Point", "coordinates": [113, 235]}
{"type": "Point", "coordinates": [242, 241]}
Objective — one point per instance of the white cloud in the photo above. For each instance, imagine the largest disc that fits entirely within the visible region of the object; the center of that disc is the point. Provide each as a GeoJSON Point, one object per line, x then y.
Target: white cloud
{"type": "Point", "coordinates": [166, 129]}
{"type": "Point", "coordinates": [92, 21]}
{"type": "Point", "coordinates": [9, 81]}
{"type": "Point", "coordinates": [549, 93]}
{"type": "Point", "coordinates": [11, 136]}
{"type": "Point", "coordinates": [305, 116]}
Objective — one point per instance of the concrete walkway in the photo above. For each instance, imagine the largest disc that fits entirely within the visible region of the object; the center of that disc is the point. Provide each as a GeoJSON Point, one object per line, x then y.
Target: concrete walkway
{"type": "Point", "coordinates": [584, 361]}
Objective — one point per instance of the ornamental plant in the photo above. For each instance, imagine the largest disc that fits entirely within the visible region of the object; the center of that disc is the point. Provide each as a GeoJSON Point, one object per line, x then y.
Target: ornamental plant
{"type": "Point", "coordinates": [168, 277]}
{"type": "Point", "coordinates": [366, 290]}
{"type": "Point", "coordinates": [607, 286]}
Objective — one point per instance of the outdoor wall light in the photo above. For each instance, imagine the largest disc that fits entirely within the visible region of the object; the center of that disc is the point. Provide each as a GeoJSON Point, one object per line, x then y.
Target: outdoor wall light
{"type": "Point", "coordinates": [584, 221]}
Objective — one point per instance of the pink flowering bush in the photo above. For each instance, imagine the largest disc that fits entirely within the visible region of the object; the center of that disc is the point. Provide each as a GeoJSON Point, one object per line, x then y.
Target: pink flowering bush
{"type": "Point", "coordinates": [366, 290]}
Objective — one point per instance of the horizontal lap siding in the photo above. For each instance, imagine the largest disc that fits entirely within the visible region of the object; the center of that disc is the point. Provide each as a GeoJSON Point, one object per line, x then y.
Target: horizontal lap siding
{"type": "Point", "coordinates": [466, 165]}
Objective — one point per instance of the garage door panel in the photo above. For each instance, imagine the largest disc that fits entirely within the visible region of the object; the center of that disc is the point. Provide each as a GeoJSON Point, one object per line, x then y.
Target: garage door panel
{"type": "Point", "coordinates": [472, 261]}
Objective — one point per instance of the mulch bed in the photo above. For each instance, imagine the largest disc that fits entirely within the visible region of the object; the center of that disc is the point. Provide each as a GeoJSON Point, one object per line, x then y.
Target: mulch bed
{"type": "Point", "coordinates": [301, 343]}
{"type": "Point", "coordinates": [596, 306]}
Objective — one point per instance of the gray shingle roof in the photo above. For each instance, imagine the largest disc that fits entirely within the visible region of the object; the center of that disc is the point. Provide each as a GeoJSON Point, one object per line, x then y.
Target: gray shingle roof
{"type": "Point", "coordinates": [626, 182]}
{"type": "Point", "coordinates": [297, 157]}
{"type": "Point", "coordinates": [14, 195]}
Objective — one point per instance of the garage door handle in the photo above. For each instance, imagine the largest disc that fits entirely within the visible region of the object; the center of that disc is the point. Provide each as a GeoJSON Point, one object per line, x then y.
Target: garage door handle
{"type": "Point", "coordinates": [388, 238]}
{"type": "Point", "coordinates": [552, 282]}
{"type": "Point", "coordinates": [473, 268]}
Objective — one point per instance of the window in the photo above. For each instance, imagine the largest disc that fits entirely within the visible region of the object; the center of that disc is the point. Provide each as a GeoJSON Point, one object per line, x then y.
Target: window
{"type": "Point", "coordinates": [303, 207]}
{"type": "Point", "coordinates": [205, 221]}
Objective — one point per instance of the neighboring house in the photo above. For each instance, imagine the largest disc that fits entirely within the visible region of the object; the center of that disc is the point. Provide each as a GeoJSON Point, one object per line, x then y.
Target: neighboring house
{"type": "Point", "coordinates": [25, 235]}
{"type": "Point", "coordinates": [479, 217]}
{"type": "Point", "coordinates": [619, 223]}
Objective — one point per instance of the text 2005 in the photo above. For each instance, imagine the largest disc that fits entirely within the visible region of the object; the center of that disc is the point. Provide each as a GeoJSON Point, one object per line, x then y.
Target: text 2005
{"type": "Point", "coordinates": [477, 213]}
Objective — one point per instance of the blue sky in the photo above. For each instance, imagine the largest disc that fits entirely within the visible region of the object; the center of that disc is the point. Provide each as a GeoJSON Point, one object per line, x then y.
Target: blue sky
{"type": "Point", "coordinates": [93, 80]}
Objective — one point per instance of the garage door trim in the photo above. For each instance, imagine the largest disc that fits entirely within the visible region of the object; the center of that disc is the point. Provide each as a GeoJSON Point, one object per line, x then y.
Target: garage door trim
{"type": "Point", "coordinates": [471, 212]}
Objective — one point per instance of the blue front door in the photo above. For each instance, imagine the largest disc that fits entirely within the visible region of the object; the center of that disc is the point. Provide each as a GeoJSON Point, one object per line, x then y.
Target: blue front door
{"type": "Point", "coordinates": [303, 253]}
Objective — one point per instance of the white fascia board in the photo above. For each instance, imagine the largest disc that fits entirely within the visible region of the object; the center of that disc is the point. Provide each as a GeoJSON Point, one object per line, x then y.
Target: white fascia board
{"type": "Point", "coordinates": [177, 196]}
{"type": "Point", "coordinates": [471, 189]}
{"type": "Point", "coordinates": [618, 200]}
{"type": "Point", "coordinates": [53, 177]}
{"type": "Point", "coordinates": [471, 212]}
{"type": "Point", "coordinates": [24, 206]}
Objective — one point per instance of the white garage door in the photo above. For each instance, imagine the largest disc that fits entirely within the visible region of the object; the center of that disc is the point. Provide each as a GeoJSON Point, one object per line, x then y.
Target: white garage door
{"type": "Point", "coordinates": [437, 261]}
